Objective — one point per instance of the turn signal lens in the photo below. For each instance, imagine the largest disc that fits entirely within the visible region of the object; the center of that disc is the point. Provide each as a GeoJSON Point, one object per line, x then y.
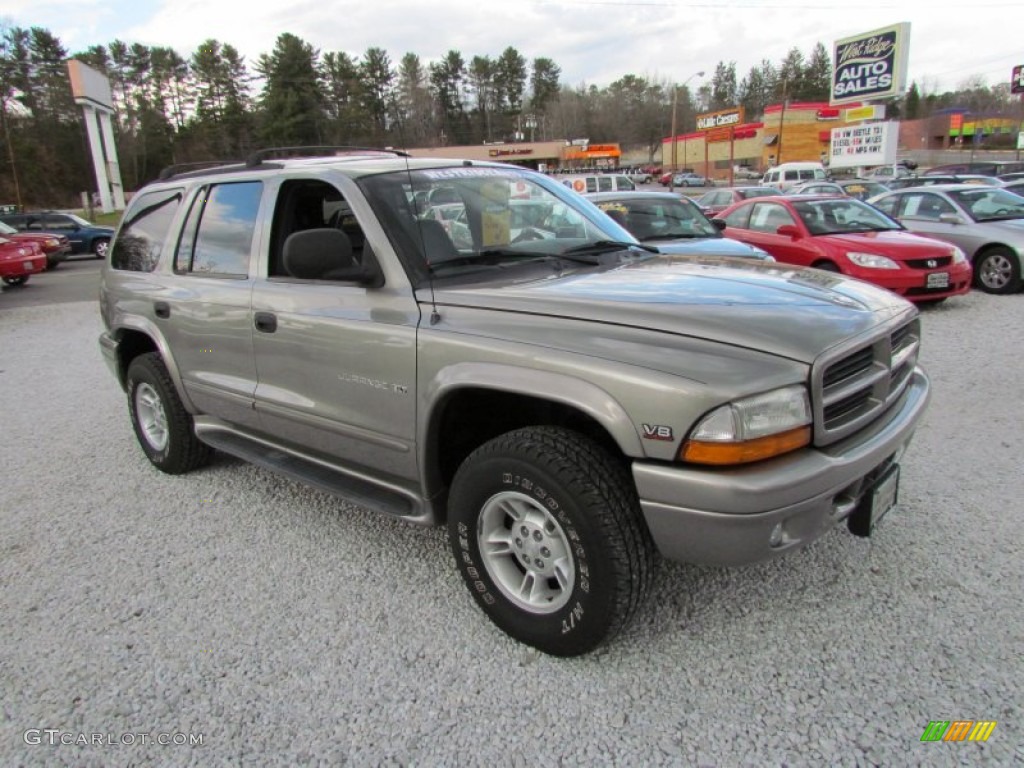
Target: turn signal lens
{"type": "Point", "coordinates": [721, 453]}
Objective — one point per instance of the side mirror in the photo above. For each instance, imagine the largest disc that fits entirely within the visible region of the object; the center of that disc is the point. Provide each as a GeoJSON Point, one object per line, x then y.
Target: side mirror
{"type": "Point", "coordinates": [789, 230]}
{"type": "Point", "coordinates": [950, 218]}
{"type": "Point", "coordinates": [718, 224]}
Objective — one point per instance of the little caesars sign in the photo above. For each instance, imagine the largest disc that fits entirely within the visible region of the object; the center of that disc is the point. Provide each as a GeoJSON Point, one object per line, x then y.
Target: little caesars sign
{"type": "Point", "coordinates": [721, 119]}
{"type": "Point", "coordinates": [872, 65]}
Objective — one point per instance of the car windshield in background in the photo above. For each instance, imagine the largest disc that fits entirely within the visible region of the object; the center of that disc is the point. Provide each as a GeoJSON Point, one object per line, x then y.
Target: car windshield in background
{"type": "Point", "coordinates": [651, 219]}
{"type": "Point", "coordinates": [990, 204]}
{"type": "Point", "coordinates": [841, 216]}
{"type": "Point", "coordinates": [489, 217]}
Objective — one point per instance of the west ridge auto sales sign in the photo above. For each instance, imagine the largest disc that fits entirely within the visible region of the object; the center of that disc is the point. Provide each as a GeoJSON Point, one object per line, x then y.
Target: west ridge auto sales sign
{"type": "Point", "coordinates": [872, 65]}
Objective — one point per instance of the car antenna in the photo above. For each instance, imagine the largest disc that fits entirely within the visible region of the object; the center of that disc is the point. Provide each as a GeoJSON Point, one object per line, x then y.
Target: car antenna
{"type": "Point", "coordinates": [435, 316]}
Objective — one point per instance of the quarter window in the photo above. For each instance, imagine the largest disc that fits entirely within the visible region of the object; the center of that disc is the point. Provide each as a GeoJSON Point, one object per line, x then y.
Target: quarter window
{"type": "Point", "coordinates": [217, 238]}
{"type": "Point", "coordinates": [141, 238]}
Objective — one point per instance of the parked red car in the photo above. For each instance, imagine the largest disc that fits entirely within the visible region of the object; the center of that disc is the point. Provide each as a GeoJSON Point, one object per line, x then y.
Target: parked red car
{"type": "Point", "coordinates": [18, 260]}
{"type": "Point", "coordinates": [842, 234]}
{"type": "Point", "coordinates": [55, 247]}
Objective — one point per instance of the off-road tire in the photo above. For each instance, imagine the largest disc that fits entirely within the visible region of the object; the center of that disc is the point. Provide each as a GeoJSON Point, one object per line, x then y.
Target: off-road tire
{"type": "Point", "coordinates": [590, 506]}
{"type": "Point", "coordinates": [180, 451]}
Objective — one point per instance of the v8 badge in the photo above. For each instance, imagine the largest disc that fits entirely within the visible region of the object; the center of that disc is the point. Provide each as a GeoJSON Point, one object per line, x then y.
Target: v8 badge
{"type": "Point", "coordinates": [657, 432]}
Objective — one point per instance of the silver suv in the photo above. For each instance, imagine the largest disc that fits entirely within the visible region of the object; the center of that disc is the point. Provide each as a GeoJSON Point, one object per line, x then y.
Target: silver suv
{"type": "Point", "coordinates": [521, 370]}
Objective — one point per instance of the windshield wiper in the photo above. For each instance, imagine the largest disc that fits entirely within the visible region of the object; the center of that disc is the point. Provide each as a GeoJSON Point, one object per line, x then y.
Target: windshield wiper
{"type": "Point", "coordinates": [601, 246]}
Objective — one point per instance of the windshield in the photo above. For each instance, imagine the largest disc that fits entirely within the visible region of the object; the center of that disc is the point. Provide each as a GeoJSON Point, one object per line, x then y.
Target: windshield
{"type": "Point", "coordinates": [490, 218]}
{"type": "Point", "coordinates": [7, 229]}
{"type": "Point", "coordinates": [842, 216]}
{"type": "Point", "coordinates": [990, 204]}
{"type": "Point", "coordinates": [658, 218]}
{"type": "Point", "coordinates": [79, 220]}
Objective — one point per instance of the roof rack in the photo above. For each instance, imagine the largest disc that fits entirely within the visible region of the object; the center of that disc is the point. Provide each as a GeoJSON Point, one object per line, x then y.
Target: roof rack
{"type": "Point", "coordinates": [176, 168]}
{"type": "Point", "coordinates": [257, 157]}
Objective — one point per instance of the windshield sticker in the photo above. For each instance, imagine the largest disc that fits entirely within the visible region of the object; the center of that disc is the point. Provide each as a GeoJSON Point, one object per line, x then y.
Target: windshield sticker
{"type": "Point", "coordinates": [466, 173]}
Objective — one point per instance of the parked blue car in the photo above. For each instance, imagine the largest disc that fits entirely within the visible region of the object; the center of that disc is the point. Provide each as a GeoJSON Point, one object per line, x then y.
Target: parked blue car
{"type": "Point", "coordinates": [84, 236]}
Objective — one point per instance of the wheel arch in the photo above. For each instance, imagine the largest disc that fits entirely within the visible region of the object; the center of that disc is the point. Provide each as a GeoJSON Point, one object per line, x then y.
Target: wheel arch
{"type": "Point", "coordinates": [137, 339]}
{"type": "Point", "coordinates": [472, 403]}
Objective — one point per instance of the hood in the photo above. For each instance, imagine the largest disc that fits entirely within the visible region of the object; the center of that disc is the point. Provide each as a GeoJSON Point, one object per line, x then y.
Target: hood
{"type": "Point", "coordinates": [708, 246]}
{"type": "Point", "coordinates": [770, 307]}
{"type": "Point", "coordinates": [895, 244]}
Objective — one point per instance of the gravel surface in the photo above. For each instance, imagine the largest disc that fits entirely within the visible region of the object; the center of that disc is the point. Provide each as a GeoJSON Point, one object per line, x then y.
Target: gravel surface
{"type": "Point", "coordinates": [285, 627]}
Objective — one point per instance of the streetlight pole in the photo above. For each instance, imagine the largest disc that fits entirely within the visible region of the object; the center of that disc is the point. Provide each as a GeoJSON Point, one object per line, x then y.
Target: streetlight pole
{"type": "Point", "coordinates": [675, 100]}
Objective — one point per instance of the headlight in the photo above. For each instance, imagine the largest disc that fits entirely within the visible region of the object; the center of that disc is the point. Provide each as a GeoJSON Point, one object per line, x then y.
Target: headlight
{"type": "Point", "coordinates": [52, 243]}
{"type": "Point", "coordinates": [763, 255]}
{"type": "Point", "coordinates": [959, 257]}
{"type": "Point", "coordinates": [751, 429]}
{"type": "Point", "coordinates": [871, 260]}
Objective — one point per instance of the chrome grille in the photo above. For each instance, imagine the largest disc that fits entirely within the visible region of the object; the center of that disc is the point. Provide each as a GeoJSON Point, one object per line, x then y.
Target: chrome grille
{"type": "Point", "coordinates": [853, 386]}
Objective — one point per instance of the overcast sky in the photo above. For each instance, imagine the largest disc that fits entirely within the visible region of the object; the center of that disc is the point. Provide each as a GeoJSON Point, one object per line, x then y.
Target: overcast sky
{"type": "Point", "coordinates": [593, 41]}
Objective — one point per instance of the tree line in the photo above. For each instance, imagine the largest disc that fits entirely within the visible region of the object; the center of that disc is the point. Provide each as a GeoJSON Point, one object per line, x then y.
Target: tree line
{"type": "Point", "coordinates": [170, 109]}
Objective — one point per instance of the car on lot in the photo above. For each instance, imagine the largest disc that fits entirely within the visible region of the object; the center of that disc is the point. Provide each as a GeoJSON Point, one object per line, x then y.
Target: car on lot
{"type": "Point", "coordinates": [979, 167]}
{"type": "Point", "coordinates": [719, 199]}
{"type": "Point", "coordinates": [567, 406]}
{"type": "Point", "coordinates": [671, 224]}
{"type": "Point", "coordinates": [862, 189]}
{"type": "Point", "coordinates": [815, 188]}
{"type": "Point", "coordinates": [842, 234]}
{"type": "Point", "coordinates": [83, 236]}
{"type": "Point", "coordinates": [19, 260]}
{"type": "Point", "coordinates": [933, 179]}
{"type": "Point", "coordinates": [690, 180]}
{"type": "Point", "coordinates": [55, 247]}
{"type": "Point", "coordinates": [788, 175]}
{"type": "Point", "coordinates": [1015, 185]}
{"type": "Point", "coordinates": [987, 223]}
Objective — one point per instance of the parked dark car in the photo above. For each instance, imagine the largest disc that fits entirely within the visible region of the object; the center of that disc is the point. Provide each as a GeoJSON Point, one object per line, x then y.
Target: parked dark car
{"type": "Point", "coordinates": [672, 224]}
{"type": "Point", "coordinates": [83, 236]}
{"type": "Point", "coordinates": [982, 167]}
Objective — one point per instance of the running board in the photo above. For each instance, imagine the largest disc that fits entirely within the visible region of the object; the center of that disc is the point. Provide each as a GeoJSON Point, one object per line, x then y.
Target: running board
{"type": "Point", "coordinates": [313, 471]}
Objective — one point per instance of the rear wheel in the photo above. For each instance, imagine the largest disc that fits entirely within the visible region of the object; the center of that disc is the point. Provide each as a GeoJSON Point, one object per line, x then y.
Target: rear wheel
{"type": "Point", "coordinates": [15, 282]}
{"type": "Point", "coordinates": [997, 270]}
{"type": "Point", "coordinates": [547, 532]}
{"type": "Point", "coordinates": [162, 426]}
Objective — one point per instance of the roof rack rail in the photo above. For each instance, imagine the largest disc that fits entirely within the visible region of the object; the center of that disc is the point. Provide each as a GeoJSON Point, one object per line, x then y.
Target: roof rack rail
{"type": "Point", "coordinates": [176, 168]}
{"type": "Point", "coordinates": [257, 157]}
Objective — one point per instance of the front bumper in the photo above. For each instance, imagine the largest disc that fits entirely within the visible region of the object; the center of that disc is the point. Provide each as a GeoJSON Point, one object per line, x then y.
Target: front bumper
{"type": "Point", "coordinates": [726, 517]}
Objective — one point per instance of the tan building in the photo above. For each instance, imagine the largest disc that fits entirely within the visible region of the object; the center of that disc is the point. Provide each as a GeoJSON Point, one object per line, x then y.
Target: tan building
{"type": "Point", "coordinates": [789, 132]}
{"type": "Point", "coordinates": [532, 154]}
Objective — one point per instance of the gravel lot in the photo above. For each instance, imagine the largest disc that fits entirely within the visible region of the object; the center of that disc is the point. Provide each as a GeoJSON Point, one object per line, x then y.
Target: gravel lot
{"type": "Point", "coordinates": [287, 627]}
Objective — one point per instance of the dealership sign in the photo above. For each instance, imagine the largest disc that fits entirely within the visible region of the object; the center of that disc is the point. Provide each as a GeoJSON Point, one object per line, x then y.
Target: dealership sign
{"type": "Point", "coordinates": [871, 144]}
{"type": "Point", "coordinates": [721, 119]}
{"type": "Point", "coordinates": [872, 65]}
{"type": "Point", "coordinates": [1017, 80]}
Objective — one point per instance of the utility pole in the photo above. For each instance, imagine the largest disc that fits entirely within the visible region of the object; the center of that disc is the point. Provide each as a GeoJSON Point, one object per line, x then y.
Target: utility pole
{"type": "Point", "coordinates": [675, 99]}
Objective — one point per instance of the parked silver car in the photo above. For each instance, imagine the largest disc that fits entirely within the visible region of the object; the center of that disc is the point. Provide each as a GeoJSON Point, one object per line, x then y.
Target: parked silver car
{"type": "Point", "coordinates": [986, 222]}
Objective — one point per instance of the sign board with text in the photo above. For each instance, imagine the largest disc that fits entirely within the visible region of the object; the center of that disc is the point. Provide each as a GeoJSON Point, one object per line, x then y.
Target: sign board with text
{"type": "Point", "coordinates": [1017, 79]}
{"type": "Point", "coordinates": [871, 144]}
{"type": "Point", "coordinates": [720, 119]}
{"type": "Point", "coordinates": [872, 65]}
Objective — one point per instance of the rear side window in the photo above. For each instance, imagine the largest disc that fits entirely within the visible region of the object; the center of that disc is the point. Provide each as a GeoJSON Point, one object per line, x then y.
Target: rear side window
{"type": "Point", "coordinates": [218, 233]}
{"type": "Point", "coordinates": [142, 234]}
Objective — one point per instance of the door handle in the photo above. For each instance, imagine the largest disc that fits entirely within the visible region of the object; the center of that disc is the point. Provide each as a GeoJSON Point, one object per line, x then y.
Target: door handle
{"type": "Point", "coordinates": [265, 322]}
{"type": "Point", "coordinates": [162, 309]}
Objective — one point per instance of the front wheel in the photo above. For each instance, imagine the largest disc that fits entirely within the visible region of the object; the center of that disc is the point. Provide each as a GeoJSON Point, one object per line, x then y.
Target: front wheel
{"type": "Point", "coordinates": [100, 246]}
{"type": "Point", "coordinates": [162, 425]}
{"type": "Point", "coordinates": [16, 282]}
{"type": "Point", "coordinates": [997, 270]}
{"type": "Point", "coordinates": [548, 534]}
